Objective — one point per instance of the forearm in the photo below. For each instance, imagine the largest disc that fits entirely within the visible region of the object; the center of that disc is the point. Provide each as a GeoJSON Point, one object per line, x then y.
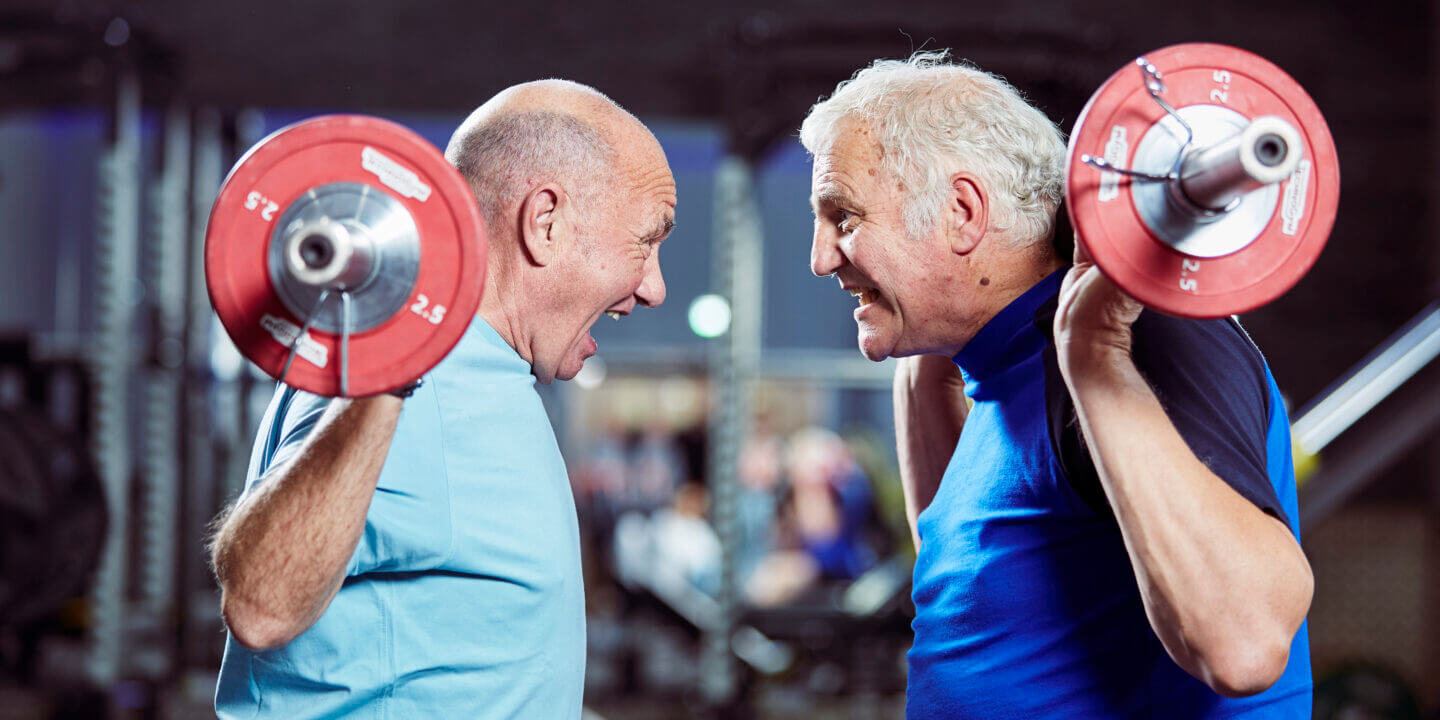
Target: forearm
{"type": "Point", "coordinates": [281, 554]}
{"type": "Point", "coordinates": [1225, 586]}
{"type": "Point", "coordinates": [930, 411]}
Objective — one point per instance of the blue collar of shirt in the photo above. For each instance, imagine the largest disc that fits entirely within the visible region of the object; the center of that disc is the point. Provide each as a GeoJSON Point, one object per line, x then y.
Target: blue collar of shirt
{"type": "Point", "coordinates": [1009, 336]}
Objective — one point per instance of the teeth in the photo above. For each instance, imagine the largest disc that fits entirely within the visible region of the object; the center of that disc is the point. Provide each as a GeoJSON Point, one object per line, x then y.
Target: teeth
{"type": "Point", "coordinates": [866, 296]}
{"type": "Point", "coordinates": [613, 314]}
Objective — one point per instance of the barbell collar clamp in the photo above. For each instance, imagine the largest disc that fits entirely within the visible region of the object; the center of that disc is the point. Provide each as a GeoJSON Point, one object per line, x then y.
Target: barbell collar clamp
{"type": "Point", "coordinates": [1214, 178]}
{"type": "Point", "coordinates": [324, 253]}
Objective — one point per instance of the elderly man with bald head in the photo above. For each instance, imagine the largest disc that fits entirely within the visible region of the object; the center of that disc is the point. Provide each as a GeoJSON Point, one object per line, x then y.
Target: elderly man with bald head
{"type": "Point", "coordinates": [418, 556]}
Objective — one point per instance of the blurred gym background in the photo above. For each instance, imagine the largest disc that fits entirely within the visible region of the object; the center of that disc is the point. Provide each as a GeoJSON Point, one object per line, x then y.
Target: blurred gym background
{"type": "Point", "coordinates": [707, 431]}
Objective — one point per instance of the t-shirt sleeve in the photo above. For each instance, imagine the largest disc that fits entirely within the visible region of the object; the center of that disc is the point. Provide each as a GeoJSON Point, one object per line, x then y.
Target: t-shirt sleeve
{"type": "Point", "coordinates": [291, 417]}
{"type": "Point", "coordinates": [1211, 380]}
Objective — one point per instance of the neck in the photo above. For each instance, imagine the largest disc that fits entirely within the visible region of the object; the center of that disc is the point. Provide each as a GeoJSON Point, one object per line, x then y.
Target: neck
{"type": "Point", "coordinates": [997, 278]}
{"type": "Point", "coordinates": [500, 305]}
{"type": "Point", "coordinates": [1040, 261]}
{"type": "Point", "coordinates": [1021, 268]}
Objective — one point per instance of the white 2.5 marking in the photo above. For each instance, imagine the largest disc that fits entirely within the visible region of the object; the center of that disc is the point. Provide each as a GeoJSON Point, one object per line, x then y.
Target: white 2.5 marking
{"type": "Point", "coordinates": [1189, 284]}
{"type": "Point", "coordinates": [435, 315]}
{"type": "Point", "coordinates": [255, 199]}
{"type": "Point", "coordinates": [1222, 93]}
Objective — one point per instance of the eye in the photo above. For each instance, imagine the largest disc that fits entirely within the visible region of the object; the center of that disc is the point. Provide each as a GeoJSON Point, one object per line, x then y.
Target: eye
{"type": "Point", "coordinates": [846, 221]}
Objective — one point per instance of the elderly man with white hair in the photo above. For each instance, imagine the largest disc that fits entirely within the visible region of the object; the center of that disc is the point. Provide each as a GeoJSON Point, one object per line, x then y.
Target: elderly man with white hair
{"type": "Point", "coordinates": [1101, 495]}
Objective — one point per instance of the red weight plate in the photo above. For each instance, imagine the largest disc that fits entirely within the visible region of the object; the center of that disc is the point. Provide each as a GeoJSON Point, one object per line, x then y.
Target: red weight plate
{"type": "Point", "coordinates": [390, 159]}
{"type": "Point", "coordinates": [1125, 248]}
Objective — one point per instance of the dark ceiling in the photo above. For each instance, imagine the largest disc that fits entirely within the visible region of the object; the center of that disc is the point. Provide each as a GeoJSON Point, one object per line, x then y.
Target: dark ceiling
{"type": "Point", "coordinates": [756, 65]}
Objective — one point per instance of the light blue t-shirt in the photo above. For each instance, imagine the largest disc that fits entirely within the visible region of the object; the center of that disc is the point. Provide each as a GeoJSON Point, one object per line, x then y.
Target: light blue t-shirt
{"type": "Point", "coordinates": [464, 595]}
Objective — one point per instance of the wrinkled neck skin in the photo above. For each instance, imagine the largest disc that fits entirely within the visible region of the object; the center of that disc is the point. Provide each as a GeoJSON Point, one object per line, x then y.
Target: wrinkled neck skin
{"type": "Point", "coordinates": [506, 285]}
{"type": "Point", "coordinates": [991, 277]}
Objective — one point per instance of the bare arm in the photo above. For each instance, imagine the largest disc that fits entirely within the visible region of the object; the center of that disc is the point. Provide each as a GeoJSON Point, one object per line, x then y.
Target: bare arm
{"type": "Point", "coordinates": [281, 553]}
{"type": "Point", "coordinates": [1225, 586]}
{"type": "Point", "coordinates": [929, 412]}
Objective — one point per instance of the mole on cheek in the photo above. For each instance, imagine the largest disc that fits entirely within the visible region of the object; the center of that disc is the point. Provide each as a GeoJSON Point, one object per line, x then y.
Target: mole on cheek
{"type": "Point", "coordinates": [984, 281]}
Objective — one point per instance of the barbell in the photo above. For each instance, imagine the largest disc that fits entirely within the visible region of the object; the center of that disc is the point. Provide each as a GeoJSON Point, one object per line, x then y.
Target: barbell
{"type": "Point", "coordinates": [345, 256]}
{"type": "Point", "coordinates": [1203, 180]}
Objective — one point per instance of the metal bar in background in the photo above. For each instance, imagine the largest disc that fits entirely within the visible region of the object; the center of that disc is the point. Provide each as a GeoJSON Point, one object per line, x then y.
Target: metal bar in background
{"type": "Point", "coordinates": [163, 265]}
{"type": "Point", "coordinates": [1391, 431]}
{"type": "Point", "coordinates": [846, 368]}
{"type": "Point", "coordinates": [109, 360]}
{"type": "Point", "coordinates": [1372, 380]}
{"type": "Point", "coordinates": [1358, 456]}
{"type": "Point", "coordinates": [734, 366]}
{"type": "Point", "coordinates": [200, 613]}
{"type": "Point", "coordinates": [229, 370]}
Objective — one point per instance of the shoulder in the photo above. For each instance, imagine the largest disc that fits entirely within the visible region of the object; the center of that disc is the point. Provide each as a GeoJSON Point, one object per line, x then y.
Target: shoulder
{"type": "Point", "coordinates": [1214, 339]}
{"type": "Point", "coordinates": [1183, 356]}
{"type": "Point", "coordinates": [1212, 382]}
{"type": "Point", "coordinates": [483, 395]}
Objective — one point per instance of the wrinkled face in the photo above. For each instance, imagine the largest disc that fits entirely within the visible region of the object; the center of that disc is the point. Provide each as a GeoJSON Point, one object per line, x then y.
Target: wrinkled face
{"type": "Point", "coordinates": [903, 284]}
{"type": "Point", "coordinates": [614, 266]}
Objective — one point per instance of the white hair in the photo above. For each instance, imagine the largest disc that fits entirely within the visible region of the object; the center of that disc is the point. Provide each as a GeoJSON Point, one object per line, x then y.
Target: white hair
{"type": "Point", "coordinates": [934, 118]}
{"type": "Point", "coordinates": [500, 153]}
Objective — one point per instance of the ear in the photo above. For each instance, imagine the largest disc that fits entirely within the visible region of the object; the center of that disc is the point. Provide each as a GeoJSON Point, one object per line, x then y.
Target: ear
{"type": "Point", "coordinates": [968, 213]}
{"type": "Point", "coordinates": [543, 231]}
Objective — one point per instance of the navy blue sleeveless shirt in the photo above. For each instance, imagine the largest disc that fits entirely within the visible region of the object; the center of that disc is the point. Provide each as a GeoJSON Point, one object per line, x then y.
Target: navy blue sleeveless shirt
{"type": "Point", "coordinates": [1026, 602]}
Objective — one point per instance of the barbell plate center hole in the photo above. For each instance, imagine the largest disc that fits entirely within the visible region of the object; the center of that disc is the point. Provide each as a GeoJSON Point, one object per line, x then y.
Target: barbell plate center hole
{"type": "Point", "coordinates": [316, 251]}
{"type": "Point", "coordinates": [1270, 149]}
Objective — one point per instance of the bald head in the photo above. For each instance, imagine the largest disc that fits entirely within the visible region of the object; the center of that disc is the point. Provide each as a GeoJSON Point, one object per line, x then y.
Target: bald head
{"type": "Point", "coordinates": [545, 131]}
{"type": "Point", "coordinates": [561, 96]}
{"type": "Point", "coordinates": [577, 197]}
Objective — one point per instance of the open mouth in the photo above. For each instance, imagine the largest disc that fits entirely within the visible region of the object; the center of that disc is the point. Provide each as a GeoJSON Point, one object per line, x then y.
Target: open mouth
{"type": "Point", "coordinates": [613, 315]}
{"type": "Point", "coordinates": [865, 295]}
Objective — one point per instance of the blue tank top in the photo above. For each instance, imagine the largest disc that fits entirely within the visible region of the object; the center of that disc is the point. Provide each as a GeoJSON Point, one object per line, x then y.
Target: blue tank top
{"type": "Point", "coordinates": [1026, 603]}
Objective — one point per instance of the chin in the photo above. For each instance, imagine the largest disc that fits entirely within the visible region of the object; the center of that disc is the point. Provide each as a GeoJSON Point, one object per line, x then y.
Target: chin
{"type": "Point", "coordinates": [546, 373]}
{"type": "Point", "coordinates": [568, 369]}
{"type": "Point", "coordinates": [875, 349]}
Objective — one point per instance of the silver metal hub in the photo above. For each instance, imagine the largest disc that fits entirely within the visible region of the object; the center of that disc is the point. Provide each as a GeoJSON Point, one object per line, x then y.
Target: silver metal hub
{"type": "Point", "coordinates": [347, 238]}
{"type": "Point", "coordinates": [1189, 228]}
{"type": "Point", "coordinates": [325, 254]}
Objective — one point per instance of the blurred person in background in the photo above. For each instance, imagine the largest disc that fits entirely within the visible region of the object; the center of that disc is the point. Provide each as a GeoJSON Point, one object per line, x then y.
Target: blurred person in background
{"type": "Point", "coordinates": [759, 473]}
{"type": "Point", "coordinates": [671, 551]}
{"type": "Point", "coordinates": [832, 503]}
{"type": "Point", "coordinates": [655, 468]}
{"type": "Point", "coordinates": [824, 521]}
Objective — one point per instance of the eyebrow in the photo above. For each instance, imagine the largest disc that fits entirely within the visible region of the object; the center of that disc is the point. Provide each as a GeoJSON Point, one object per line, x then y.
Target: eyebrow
{"type": "Point", "coordinates": [664, 228]}
{"type": "Point", "coordinates": [830, 195]}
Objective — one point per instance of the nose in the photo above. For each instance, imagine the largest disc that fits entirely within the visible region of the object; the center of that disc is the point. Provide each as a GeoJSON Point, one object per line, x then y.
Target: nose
{"type": "Point", "coordinates": [652, 285]}
{"type": "Point", "coordinates": [825, 255]}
